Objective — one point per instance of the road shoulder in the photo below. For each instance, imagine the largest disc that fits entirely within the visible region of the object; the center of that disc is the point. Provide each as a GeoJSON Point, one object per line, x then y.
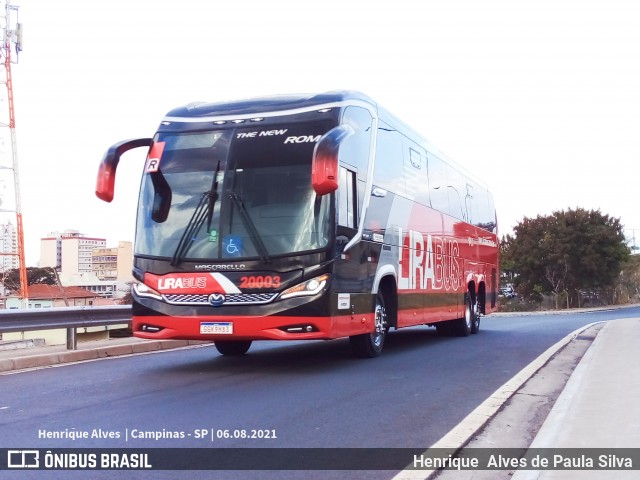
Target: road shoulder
{"type": "Point", "coordinates": [519, 420]}
{"type": "Point", "coordinates": [46, 356]}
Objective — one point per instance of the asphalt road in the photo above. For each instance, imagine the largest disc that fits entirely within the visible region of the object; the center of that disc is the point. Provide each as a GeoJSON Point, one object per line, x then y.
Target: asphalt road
{"type": "Point", "coordinates": [312, 394]}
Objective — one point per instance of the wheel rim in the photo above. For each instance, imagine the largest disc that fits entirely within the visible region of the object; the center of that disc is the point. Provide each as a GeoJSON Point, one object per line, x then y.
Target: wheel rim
{"type": "Point", "coordinates": [468, 317]}
{"type": "Point", "coordinates": [377, 337]}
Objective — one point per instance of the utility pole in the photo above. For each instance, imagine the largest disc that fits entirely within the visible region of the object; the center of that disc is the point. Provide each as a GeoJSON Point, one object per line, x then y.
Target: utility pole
{"type": "Point", "coordinates": [12, 39]}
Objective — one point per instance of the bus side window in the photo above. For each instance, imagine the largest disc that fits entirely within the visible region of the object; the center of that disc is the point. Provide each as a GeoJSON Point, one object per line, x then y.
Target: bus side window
{"type": "Point", "coordinates": [389, 160]}
{"type": "Point", "coordinates": [456, 188]}
{"type": "Point", "coordinates": [469, 204]}
{"type": "Point", "coordinates": [347, 196]}
{"type": "Point", "coordinates": [354, 151]}
{"type": "Point", "coordinates": [415, 173]}
{"type": "Point", "coordinates": [484, 211]}
{"type": "Point", "coordinates": [438, 184]}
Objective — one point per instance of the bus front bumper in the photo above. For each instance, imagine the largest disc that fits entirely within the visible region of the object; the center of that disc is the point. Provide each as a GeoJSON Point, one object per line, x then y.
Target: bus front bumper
{"type": "Point", "coordinates": [234, 328]}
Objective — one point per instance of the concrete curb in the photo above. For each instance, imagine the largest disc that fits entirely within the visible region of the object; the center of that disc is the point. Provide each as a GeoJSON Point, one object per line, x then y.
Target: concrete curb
{"type": "Point", "coordinates": [57, 358]}
{"type": "Point", "coordinates": [567, 311]}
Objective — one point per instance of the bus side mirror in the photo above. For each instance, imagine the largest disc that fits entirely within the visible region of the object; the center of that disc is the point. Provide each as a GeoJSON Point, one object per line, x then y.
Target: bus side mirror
{"type": "Point", "coordinates": [105, 183]}
{"type": "Point", "coordinates": [324, 166]}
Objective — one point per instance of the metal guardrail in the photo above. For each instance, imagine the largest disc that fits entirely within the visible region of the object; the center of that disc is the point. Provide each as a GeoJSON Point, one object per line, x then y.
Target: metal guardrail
{"type": "Point", "coordinates": [70, 318]}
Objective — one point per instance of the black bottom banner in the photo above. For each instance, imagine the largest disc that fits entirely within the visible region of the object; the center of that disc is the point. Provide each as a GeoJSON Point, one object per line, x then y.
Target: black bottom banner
{"type": "Point", "coordinates": [319, 459]}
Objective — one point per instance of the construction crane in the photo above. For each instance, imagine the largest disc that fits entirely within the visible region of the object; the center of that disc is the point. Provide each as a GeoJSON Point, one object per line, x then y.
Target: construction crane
{"type": "Point", "coordinates": [12, 42]}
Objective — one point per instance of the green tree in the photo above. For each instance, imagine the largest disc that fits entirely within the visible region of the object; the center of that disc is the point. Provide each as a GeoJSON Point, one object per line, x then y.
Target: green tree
{"type": "Point", "coordinates": [568, 252]}
{"type": "Point", "coordinates": [35, 275]}
{"type": "Point", "coordinates": [629, 284]}
{"type": "Point", "coordinates": [506, 260]}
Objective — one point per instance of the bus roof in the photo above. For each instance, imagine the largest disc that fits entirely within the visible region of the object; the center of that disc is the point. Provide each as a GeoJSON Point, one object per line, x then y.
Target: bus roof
{"type": "Point", "coordinates": [257, 106]}
{"type": "Point", "coordinates": [275, 103]}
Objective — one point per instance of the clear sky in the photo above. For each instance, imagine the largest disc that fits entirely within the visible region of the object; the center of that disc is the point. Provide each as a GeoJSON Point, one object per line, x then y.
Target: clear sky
{"type": "Point", "coordinates": [539, 98]}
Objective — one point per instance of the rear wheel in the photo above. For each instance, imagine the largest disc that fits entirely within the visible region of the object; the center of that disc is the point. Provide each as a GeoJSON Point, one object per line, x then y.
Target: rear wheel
{"type": "Point", "coordinates": [369, 345]}
{"type": "Point", "coordinates": [475, 325]}
{"type": "Point", "coordinates": [463, 326]}
{"type": "Point", "coordinates": [228, 347]}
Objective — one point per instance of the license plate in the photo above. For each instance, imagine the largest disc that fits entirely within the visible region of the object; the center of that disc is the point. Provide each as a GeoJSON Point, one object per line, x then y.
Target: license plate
{"type": "Point", "coordinates": [216, 328]}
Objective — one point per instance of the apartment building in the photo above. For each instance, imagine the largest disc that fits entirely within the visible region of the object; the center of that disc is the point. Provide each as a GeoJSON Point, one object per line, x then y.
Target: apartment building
{"type": "Point", "coordinates": [70, 251]}
{"type": "Point", "coordinates": [87, 262]}
{"type": "Point", "coordinates": [113, 263]}
{"type": "Point", "coordinates": [9, 247]}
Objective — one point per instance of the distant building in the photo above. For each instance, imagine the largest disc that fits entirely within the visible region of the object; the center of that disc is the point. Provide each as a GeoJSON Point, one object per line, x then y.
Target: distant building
{"type": "Point", "coordinates": [113, 263]}
{"type": "Point", "coordinates": [8, 254]}
{"type": "Point", "coordinates": [70, 251]}
{"type": "Point", "coordinates": [88, 281]}
{"type": "Point", "coordinates": [47, 296]}
{"type": "Point", "coordinates": [9, 247]}
{"type": "Point", "coordinates": [87, 262]}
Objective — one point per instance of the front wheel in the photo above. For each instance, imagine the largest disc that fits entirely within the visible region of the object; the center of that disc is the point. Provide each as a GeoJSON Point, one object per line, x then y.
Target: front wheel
{"type": "Point", "coordinates": [369, 345]}
{"type": "Point", "coordinates": [229, 347]}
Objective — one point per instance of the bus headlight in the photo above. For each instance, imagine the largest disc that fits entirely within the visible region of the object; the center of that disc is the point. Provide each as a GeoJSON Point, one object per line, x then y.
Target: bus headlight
{"type": "Point", "coordinates": [308, 288]}
{"type": "Point", "coordinates": [143, 290]}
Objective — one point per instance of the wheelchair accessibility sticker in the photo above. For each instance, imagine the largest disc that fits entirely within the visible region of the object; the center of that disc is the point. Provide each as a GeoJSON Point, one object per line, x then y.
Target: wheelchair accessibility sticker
{"type": "Point", "coordinates": [232, 246]}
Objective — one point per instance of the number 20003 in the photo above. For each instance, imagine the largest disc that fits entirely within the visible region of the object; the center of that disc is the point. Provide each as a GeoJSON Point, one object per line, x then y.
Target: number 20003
{"type": "Point", "coordinates": [259, 281]}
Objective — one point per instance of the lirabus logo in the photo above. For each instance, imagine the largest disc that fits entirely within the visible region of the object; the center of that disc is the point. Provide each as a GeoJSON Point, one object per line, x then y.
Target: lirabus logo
{"type": "Point", "coordinates": [428, 263]}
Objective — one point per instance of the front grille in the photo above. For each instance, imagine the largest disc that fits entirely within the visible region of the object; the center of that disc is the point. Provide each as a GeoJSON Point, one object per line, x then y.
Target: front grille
{"type": "Point", "coordinates": [239, 298]}
{"type": "Point", "coordinates": [230, 299]}
{"type": "Point", "coordinates": [186, 299]}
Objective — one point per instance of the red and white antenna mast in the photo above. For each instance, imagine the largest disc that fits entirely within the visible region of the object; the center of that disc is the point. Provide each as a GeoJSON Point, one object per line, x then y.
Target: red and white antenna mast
{"type": "Point", "coordinates": [12, 39]}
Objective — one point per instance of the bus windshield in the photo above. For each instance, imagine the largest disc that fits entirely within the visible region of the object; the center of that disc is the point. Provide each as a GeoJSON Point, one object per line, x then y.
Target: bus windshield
{"type": "Point", "coordinates": [232, 194]}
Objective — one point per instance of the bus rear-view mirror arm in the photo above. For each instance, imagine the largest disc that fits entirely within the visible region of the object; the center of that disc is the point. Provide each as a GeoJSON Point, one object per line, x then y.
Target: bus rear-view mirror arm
{"type": "Point", "coordinates": [105, 183]}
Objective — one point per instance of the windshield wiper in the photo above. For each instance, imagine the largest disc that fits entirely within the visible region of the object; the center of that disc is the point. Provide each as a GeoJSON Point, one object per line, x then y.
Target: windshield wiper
{"type": "Point", "coordinates": [213, 197]}
{"type": "Point", "coordinates": [251, 227]}
{"type": "Point", "coordinates": [204, 210]}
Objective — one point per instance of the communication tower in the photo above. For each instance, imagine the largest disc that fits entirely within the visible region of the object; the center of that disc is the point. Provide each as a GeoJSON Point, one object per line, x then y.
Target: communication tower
{"type": "Point", "coordinates": [11, 46]}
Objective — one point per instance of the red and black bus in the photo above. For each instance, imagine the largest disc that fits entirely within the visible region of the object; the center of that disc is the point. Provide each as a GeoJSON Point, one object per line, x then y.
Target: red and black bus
{"type": "Point", "coordinates": [304, 217]}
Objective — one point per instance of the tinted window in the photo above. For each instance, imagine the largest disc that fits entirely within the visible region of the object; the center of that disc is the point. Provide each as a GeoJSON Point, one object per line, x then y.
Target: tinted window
{"type": "Point", "coordinates": [438, 184]}
{"type": "Point", "coordinates": [234, 194]}
{"type": "Point", "coordinates": [415, 173]}
{"type": "Point", "coordinates": [389, 161]}
{"type": "Point", "coordinates": [347, 198]}
{"type": "Point", "coordinates": [483, 210]}
{"type": "Point", "coordinates": [457, 191]}
{"type": "Point", "coordinates": [355, 149]}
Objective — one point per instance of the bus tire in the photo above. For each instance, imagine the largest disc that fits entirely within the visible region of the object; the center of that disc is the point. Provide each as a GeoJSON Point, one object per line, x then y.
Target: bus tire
{"type": "Point", "coordinates": [475, 325]}
{"type": "Point", "coordinates": [369, 345]}
{"type": "Point", "coordinates": [231, 348]}
{"type": "Point", "coordinates": [462, 326]}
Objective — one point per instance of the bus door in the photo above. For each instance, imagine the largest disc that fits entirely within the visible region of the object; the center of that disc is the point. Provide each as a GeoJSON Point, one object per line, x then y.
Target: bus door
{"type": "Point", "coordinates": [354, 272]}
